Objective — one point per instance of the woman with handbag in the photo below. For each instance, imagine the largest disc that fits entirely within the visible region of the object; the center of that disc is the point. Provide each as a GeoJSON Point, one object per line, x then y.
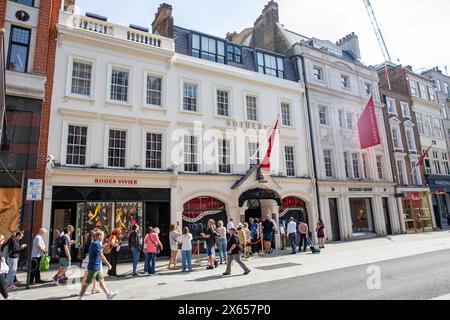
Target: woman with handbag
{"type": "Point", "coordinates": [154, 247]}
{"type": "Point", "coordinates": [114, 245]}
{"type": "Point", "coordinates": [173, 236]}
{"type": "Point", "coordinates": [3, 271]}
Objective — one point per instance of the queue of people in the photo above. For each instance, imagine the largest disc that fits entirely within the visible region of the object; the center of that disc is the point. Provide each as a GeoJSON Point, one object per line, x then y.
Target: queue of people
{"type": "Point", "coordinates": [231, 241]}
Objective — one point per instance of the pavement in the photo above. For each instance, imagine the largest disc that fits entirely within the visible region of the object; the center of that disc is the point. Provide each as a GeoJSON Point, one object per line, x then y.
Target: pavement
{"type": "Point", "coordinates": [279, 267]}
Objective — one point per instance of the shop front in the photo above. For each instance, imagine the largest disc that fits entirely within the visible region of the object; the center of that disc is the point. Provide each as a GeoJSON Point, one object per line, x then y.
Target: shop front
{"type": "Point", "coordinates": [107, 209]}
{"type": "Point", "coordinates": [416, 211]}
{"type": "Point", "coordinates": [440, 191]}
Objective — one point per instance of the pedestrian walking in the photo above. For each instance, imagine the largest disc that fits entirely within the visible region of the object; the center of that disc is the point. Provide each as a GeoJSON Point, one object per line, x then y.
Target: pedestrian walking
{"type": "Point", "coordinates": [38, 251]}
{"type": "Point", "coordinates": [13, 253]}
{"type": "Point", "coordinates": [95, 273]}
{"type": "Point", "coordinates": [3, 272]}
{"type": "Point", "coordinates": [114, 243]}
{"type": "Point", "coordinates": [320, 229]}
{"type": "Point", "coordinates": [134, 242]}
{"type": "Point", "coordinates": [211, 237]}
{"type": "Point", "coordinates": [292, 234]}
{"type": "Point", "coordinates": [234, 250]}
{"type": "Point", "coordinates": [154, 246]}
{"type": "Point", "coordinates": [267, 228]}
{"type": "Point", "coordinates": [303, 229]}
{"type": "Point", "coordinates": [62, 247]}
{"type": "Point", "coordinates": [222, 242]}
{"type": "Point", "coordinates": [85, 262]}
{"type": "Point", "coordinates": [173, 236]}
{"type": "Point", "coordinates": [186, 249]}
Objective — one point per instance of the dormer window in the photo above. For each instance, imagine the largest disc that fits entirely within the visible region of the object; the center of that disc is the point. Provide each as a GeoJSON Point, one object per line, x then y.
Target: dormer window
{"type": "Point", "coordinates": [270, 65]}
{"type": "Point", "coordinates": [234, 53]}
{"type": "Point", "coordinates": [208, 48]}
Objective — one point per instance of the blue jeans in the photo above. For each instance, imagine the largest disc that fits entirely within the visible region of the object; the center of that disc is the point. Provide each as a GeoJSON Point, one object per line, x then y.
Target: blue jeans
{"type": "Point", "coordinates": [136, 255]}
{"type": "Point", "coordinates": [186, 258]}
{"type": "Point", "coordinates": [12, 264]}
{"type": "Point", "coordinates": [293, 240]}
{"type": "Point", "coordinates": [150, 260]}
{"type": "Point", "coordinates": [222, 246]}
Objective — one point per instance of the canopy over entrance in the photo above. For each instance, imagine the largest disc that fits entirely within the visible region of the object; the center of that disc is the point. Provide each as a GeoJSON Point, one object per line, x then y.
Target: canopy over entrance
{"type": "Point", "coordinates": [259, 194]}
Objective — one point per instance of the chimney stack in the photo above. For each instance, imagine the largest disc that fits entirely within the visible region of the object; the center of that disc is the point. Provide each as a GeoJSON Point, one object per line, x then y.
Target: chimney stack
{"type": "Point", "coordinates": [265, 28]}
{"type": "Point", "coordinates": [69, 6]}
{"type": "Point", "coordinates": [231, 36]}
{"type": "Point", "coordinates": [163, 23]}
{"type": "Point", "coordinates": [350, 43]}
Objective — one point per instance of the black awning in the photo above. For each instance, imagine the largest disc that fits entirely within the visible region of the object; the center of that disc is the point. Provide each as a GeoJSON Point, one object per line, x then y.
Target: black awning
{"type": "Point", "coordinates": [259, 194]}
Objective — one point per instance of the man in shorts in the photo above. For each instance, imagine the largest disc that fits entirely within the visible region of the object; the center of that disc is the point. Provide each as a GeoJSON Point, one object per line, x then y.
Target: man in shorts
{"type": "Point", "coordinates": [268, 229]}
{"type": "Point", "coordinates": [94, 269]}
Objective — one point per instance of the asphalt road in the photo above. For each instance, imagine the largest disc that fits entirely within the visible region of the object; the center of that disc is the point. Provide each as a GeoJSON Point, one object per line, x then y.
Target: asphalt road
{"type": "Point", "coordinates": [421, 277]}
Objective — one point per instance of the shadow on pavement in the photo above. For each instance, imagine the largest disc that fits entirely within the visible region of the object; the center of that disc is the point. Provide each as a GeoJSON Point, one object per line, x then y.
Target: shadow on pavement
{"type": "Point", "coordinates": [210, 278]}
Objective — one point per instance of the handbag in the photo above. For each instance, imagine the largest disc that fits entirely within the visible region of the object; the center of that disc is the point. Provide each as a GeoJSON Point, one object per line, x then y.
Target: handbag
{"type": "Point", "coordinates": [4, 269]}
{"type": "Point", "coordinates": [179, 245]}
{"type": "Point", "coordinates": [158, 247]}
{"type": "Point", "coordinates": [44, 265]}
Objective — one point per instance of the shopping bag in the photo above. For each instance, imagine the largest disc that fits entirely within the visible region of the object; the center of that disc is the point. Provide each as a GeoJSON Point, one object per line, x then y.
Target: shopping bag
{"type": "Point", "coordinates": [4, 269]}
{"type": "Point", "coordinates": [45, 263]}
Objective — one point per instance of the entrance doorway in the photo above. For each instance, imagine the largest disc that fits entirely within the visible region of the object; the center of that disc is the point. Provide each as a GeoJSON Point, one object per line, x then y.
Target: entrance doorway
{"type": "Point", "coordinates": [158, 215]}
{"type": "Point", "coordinates": [334, 217]}
{"type": "Point", "coordinates": [387, 216]}
{"type": "Point", "coordinates": [254, 210]}
{"type": "Point", "coordinates": [64, 214]}
{"type": "Point", "coordinates": [362, 216]}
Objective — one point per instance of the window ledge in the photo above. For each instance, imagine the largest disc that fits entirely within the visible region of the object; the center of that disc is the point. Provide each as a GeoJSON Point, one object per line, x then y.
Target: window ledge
{"type": "Point", "coordinates": [288, 127]}
{"type": "Point", "coordinates": [149, 107]}
{"type": "Point", "coordinates": [196, 113]}
{"type": "Point", "coordinates": [79, 97]}
{"type": "Point", "coordinates": [118, 103]}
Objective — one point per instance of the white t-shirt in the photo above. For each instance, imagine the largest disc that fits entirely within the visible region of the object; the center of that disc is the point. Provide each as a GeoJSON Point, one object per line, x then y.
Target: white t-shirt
{"type": "Point", "coordinates": [186, 241]}
{"type": "Point", "coordinates": [291, 227]}
{"type": "Point", "coordinates": [37, 242]}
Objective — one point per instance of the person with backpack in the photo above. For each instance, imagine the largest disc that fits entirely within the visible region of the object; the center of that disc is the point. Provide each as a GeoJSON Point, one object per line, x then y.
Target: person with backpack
{"type": "Point", "coordinates": [254, 229]}
{"type": "Point", "coordinates": [303, 229]}
{"type": "Point", "coordinates": [62, 247]}
{"type": "Point", "coordinates": [153, 248]}
{"type": "Point", "coordinates": [38, 251]}
{"type": "Point", "coordinates": [95, 273]}
{"type": "Point", "coordinates": [211, 237]}
{"type": "Point", "coordinates": [114, 245]}
{"type": "Point", "coordinates": [173, 236]}
{"type": "Point", "coordinates": [134, 242]}
{"type": "Point", "coordinates": [234, 250]}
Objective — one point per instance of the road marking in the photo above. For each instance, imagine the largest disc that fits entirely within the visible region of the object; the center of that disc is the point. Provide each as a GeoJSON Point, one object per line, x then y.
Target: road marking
{"type": "Point", "coordinates": [446, 297]}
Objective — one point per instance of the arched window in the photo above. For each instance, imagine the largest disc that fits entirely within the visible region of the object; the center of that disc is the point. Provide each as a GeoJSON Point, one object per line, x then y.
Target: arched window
{"type": "Point", "coordinates": [293, 207]}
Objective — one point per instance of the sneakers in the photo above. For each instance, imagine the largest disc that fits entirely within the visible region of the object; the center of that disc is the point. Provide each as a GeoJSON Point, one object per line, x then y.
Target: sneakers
{"type": "Point", "coordinates": [111, 295]}
{"type": "Point", "coordinates": [209, 268]}
{"type": "Point", "coordinates": [226, 274]}
{"type": "Point", "coordinates": [81, 298]}
{"type": "Point", "coordinates": [11, 287]}
{"type": "Point", "coordinates": [247, 272]}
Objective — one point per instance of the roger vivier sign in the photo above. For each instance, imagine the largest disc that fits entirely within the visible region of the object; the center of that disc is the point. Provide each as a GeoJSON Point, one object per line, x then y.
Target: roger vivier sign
{"type": "Point", "coordinates": [113, 181]}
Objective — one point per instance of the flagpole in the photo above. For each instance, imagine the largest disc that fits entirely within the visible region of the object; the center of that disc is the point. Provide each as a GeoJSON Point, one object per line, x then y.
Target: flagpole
{"type": "Point", "coordinates": [3, 95]}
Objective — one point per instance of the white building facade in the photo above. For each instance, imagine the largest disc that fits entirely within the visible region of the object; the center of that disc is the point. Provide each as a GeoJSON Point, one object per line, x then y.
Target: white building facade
{"type": "Point", "coordinates": [143, 134]}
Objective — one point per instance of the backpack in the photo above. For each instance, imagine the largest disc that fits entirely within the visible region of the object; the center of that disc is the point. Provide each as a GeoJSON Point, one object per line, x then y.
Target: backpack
{"type": "Point", "coordinates": [59, 246]}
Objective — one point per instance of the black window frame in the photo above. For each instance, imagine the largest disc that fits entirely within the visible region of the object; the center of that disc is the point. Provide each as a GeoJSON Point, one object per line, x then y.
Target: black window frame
{"type": "Point", "coordinates": [280, 73]}
{"type": "Point", "coordinates": [11, 43]}
{"type": "Point", "coordinates": [29, 5]}
{"type": "Point", "coordinates": [235, 58]}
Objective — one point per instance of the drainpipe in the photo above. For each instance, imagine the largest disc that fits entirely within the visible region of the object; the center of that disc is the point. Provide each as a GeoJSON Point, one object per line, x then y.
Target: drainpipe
{"type": "Point", "coordinates": [301, 60]}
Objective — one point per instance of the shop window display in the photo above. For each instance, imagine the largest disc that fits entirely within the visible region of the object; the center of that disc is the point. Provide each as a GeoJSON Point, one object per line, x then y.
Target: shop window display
{"type": "Point", "coordinates": [98, 215]}
{"type": "Point", "coordinates": [417, 213]}
{"type": "Point", "coordinates": [127, 215]}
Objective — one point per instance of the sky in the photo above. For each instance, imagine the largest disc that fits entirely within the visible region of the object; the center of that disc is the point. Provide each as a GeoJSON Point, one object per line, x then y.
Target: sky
{"type": "Point", "coordinates": [416, 31]}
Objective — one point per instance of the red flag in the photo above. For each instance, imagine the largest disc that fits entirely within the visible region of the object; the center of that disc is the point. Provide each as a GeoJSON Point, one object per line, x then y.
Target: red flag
{"type": "Point", "coordinates": [421, 161]}
{"type": "Point", "coordinates": [265, 164]}
{"type": "Point", "coordinates": [369, 135]}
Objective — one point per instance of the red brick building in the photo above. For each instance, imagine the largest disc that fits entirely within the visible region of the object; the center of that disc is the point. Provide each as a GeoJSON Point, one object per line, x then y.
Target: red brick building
{"type": "Point", "coordinates": [30, 45]}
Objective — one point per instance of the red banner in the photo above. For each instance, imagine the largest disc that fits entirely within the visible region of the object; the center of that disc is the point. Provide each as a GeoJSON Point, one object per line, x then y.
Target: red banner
{"type": "Point", "coordinates": [369, 135]}
{"type": "Point", "coordinates": [265, 164]}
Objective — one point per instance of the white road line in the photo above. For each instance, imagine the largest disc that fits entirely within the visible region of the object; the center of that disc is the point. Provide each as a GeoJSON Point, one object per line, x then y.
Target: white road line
{"type": "Point", "coordinates": [446, 297]}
